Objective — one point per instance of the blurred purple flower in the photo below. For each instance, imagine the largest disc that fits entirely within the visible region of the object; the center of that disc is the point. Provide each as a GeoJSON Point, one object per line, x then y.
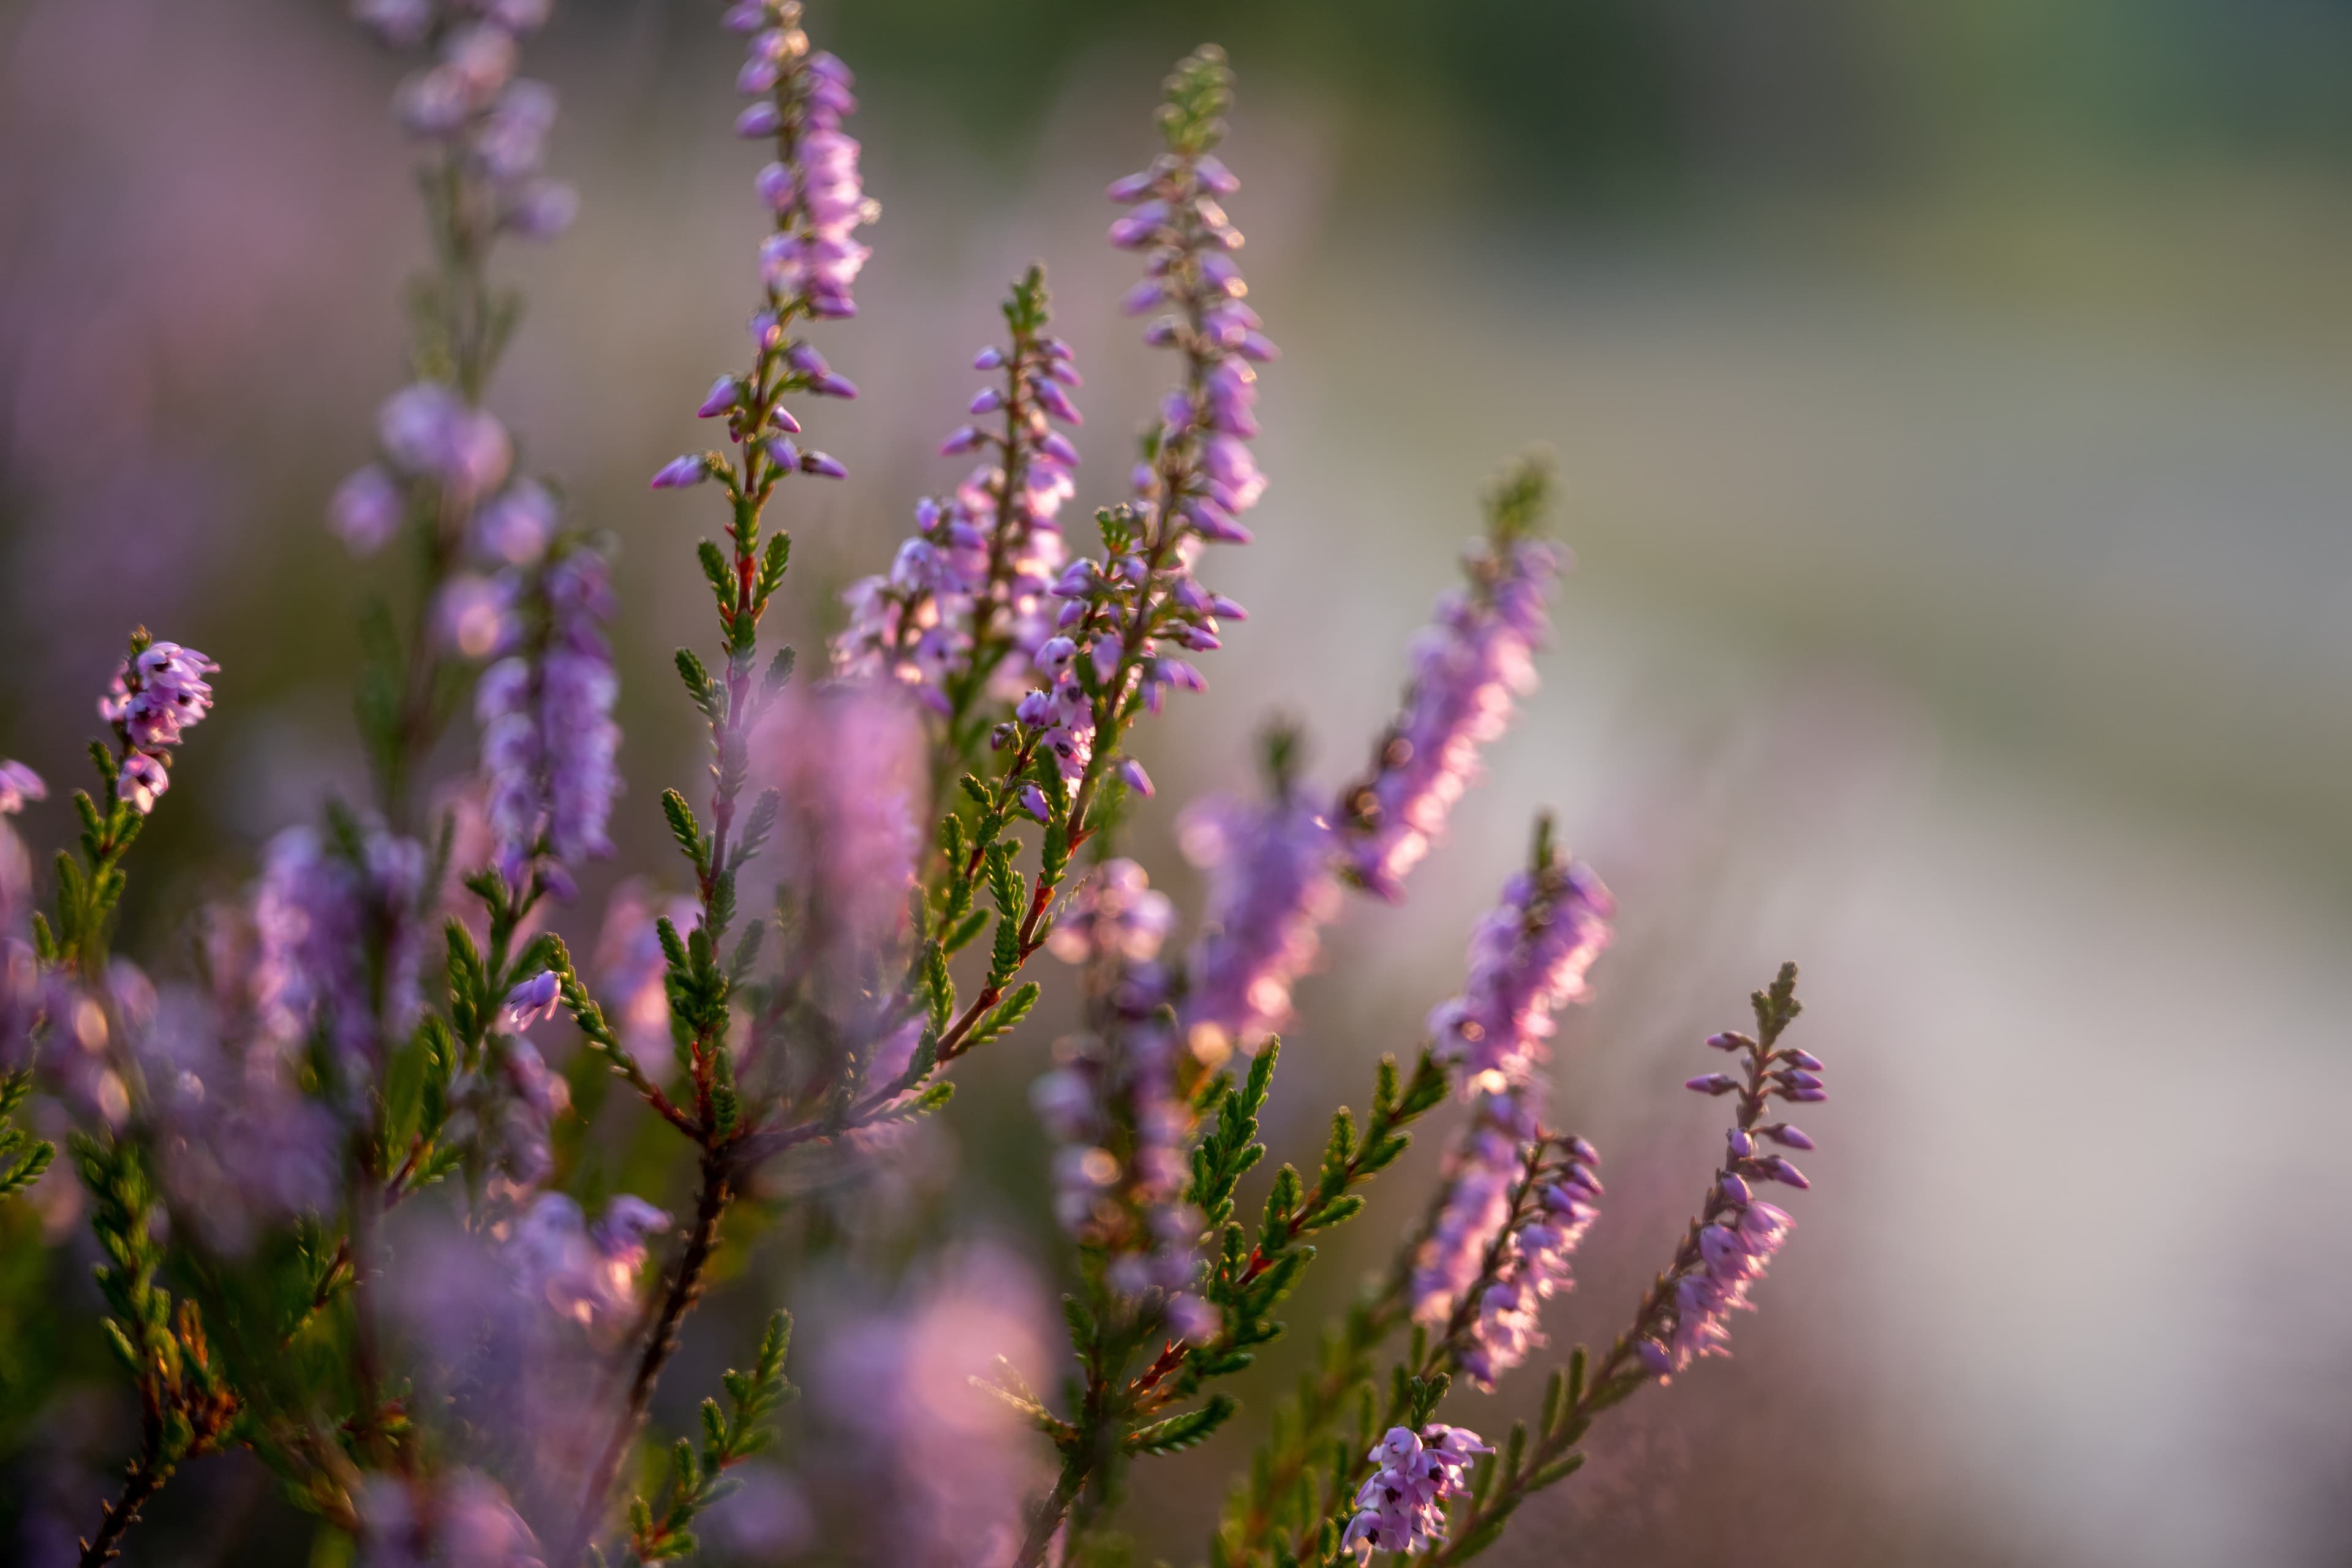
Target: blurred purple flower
{"type": "Point", "coordinates": [1466, 667]}
{"type": "Point", "coordinates": [1270, 891]}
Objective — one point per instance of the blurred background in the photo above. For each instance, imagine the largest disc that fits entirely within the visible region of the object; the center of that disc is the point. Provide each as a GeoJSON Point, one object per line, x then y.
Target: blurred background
{"type": "Point", "coordinates": [1951, 403]}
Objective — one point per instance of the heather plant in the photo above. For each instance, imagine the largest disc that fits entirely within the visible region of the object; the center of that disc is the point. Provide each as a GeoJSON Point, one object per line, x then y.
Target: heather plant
{"type": "Point", "coordinates": [352, 1212]}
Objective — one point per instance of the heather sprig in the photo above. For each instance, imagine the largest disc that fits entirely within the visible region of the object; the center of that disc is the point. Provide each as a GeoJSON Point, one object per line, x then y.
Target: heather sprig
{"type": "Point", "coordinates": [157, 693]}
{"type": "Point", "coordinates": [187, 1409]}
{"type": "Point", "coordinates": [807, 265]}
{"type": "Point", "coordinates": [1064, 762]}
{"type": "Point", "coordinates": [444, 474]}
{"type": "Point", "coordinates": [23, 1158]}
{"type": "Point", "coordinates": [1680, 1316]}
{"type": "Point", "coordinates": [471, 1378]}
{"type": "Point", "coordinates": [969, 590]}
{"type": "Point", "coordinates": [698, 1477]}
{"type": "Point", "coordinates": [1467, 668]}
{"type": "Point", "coordinates": [1249, 1270]}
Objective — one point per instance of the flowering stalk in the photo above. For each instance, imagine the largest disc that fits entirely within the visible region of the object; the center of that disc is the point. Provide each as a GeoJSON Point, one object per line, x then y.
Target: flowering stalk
{"type": "Point", "coordinates": [968, 592]}
{"type": "Point", "coordinates": [1247, 1276]}
{"type": "Point", "coordinates": [1680, 1316]}
{"type": "Point", "coordinates": [1108, 664]}
{"type": "Point", "coordinates": [1467, 668]}
{"type": "Point", "coordinates": [157, 693]}
{"type": "Point", "coordinates": [807, 264]}
{"type": "Point", "coordinates": [483, 133]}
{"type": "Point", "coordinates": [1271, 890]}
{"type": "Point", "coordinates": [1401, 1507]}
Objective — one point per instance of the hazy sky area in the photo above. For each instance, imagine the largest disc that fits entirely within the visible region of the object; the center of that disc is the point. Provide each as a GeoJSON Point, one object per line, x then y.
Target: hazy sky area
{"type": "Point", "coordinates": [1952, 418]}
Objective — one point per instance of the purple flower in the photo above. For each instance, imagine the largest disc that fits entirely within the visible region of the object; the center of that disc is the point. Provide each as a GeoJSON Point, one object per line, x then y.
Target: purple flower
{"type": "Point", "coordinates": [340, 941]}
{"type": "Point", "coordinates": [18, 784]}
{"type": "Point", "coordinates": [1528, 957]}
{"type": "Point", "coordinates": [587, 1273]}
{"type": "Point", "coordinates": [142, 782]}
{"type": "Point", "coordinates": [1689, 1316]}
{"type": "Point", "coordinates": [812, 258]}
{"type": "Point", "coordinates": [474, 616]}
{"type": "Point", "coordinates": [1466, 667]}
{"type": "Point", "coordinates": [429, 431]}
{"type": "Point", "coordinates": [1115, 913]}
{"type": "Point", "coordinates": [550, 747]}
{"type": "Point", "coordinates": [1270, 891]}
{"type": "Point", "coordinates": [1480, 1173]}
{"type": "Point", "coordinates": [518, 524]}
{"type": "Point", "coordinates": [156, 694]}
{"type": "Point", "coordinates": [946, 1463]}
{"type": "Point", "coordinates": [847, 762]}
{"type": "Point", "coordinates": [237, 1143]}
{"type": "Point", "coordinates": [366, 510]}
{"type": "Point", "coordinates": [979, 590]}
{"type": "Point", "coordinates": [1116, 1089]}
{"type": "Point", "coordinates": [534, 1001]}
{"type": "Point", "coordinates": [679, 472]}
{"type": "Point", "coordinates": [1401, 1509]}
{"type": "Point", "coordinates": [1533, 1266]}
{"type": "Point", "coordinates": [1199, 477]}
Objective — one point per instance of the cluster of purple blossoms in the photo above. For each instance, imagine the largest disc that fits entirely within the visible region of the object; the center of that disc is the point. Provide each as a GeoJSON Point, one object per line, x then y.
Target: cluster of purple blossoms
{"type": "Point", "coordinates": [549, 745]}
{"type": "Point", "coordinates": [342, 939]}
{"type": "Point", "coordinates": [1271, 890]}
{"type": "Point", "coordinates": [1528, 957]}
{"type": "Point", "coordinates": [438, 450]}
{"type": "Point", "coordinates": [1111, 1103]}
{"type": "Point", "coordinates": [973, 584]}
{"type": "Point", "coordinates": [93, 1027]}
{"type": "Point", "coordinates": [813, 188]}
{"type": "Point", "coordinates": [808, 262]}
{"type": "Point", "coordinates": [585, 1273]}
{"type": "Point", "coordinates": [1467, 668]}
{"type": "Point", "coordinates": [239, 1145]}
{"type": "Point", "coordinates": [441, 454]}
{"type": "Point", "coordinates": [1122, 615]}
{"type": "Point", "coordinates": [1194, 291]}
{"type": "Point", "coordinates": [1401, 1509]}
{"type": "Point", "coordinates": [491, 124]}
{"type": "Point", "coordinates": [157, 693]}
{"type": "Point", "coordinates": [1741, 1232]}
{"type": "Point", "coordinates": [1531, 1267]}
{"type": "Point", "coordinates": [847, 761]}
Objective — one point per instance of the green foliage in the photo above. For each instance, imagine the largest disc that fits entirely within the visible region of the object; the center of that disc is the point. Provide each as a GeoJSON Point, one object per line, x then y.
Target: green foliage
{"type": "Point", "coordinates": [1517, 503]}
{"type": "Point", "coordinates": [697, 1475]}
{"type": "Point", "coordinates": [1181, 1432]}
{"type": "Point", "coordinates": [23, 1157]}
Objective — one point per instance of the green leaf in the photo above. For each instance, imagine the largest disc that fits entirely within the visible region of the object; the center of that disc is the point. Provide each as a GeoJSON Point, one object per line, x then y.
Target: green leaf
{"type": "Point", "coordinates": [1003, 1017]}
{"type": "Point", "coordinates": [1180, 1432]}
{"type": "Point", "coordinates": [1556, 1471]}
{"type": "Point", "coordinates": [965, 930]}
{"type": "Point", "coordinates": [705, 691]}
{"type": "Point", "coordinates": [940, 986]}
